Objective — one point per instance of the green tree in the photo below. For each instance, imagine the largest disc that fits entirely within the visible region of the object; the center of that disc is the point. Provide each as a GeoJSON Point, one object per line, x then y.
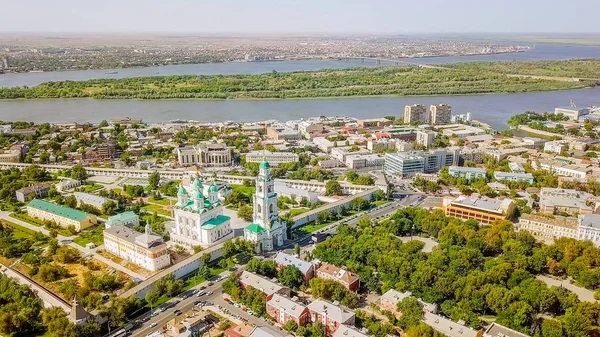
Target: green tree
{"type": "Point", "coordinates": [78, 172]}
{"type": "Point", "coordinates": [109, 207]}
{"type": "Point", "coordinates": [333, 187]}
{"type": "Point", "coordinates": [154, 180]}
{"type": "Point", "coordinates": [290, 276]}
{"type": "Point", "coordinates": [245, 212]}
{"type": "Point", "coordinates": [411, 313]}
{"type": "Point", "coordinates": [552, 328]}
{"type": "Point", "coordinates": [152, 296]}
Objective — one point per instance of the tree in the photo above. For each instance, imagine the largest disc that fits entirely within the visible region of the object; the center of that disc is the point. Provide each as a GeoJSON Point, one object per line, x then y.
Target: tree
{"type": "Point", "coordinates": [333, 187]}
{"type": "Point", "coordinates": [152, 296]}
{"type": "Point", "coordinates": [245, 212]}
{"type": "Point", "coordinates": [109, 207]}
{"type": "Point", "coordinates": [205, 258]}
{"type": "Point", "coordinates": [575, 324]}
{"type": "Point", "coordinates": [204, 271]}
{"type": "Point", "coordinates": [291, 326]}
{"type": "Point", "coordinates": [411, 313]}
{"type": "Point", "coordinates": [364, 221]}
{"type": "Point", "coordinates": [71, 201]}
{"type": "Point", "coordinates": [297, 250]}
{"type": "Point", "coordinates": [290, 276]}
{"type": "Point", "coordinates": [552, 328]}
{"type": "Point", "coordinates": [360, 204]}
{"type": "Point", "coordinates": [154, 180]}
{"type": "Point", "coordinates": [78, 173]}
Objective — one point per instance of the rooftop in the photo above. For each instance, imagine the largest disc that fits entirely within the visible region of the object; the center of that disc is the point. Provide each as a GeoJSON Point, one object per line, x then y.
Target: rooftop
{"type": "Point", "coordinates": [338, 273]}
{"type": "Point", "coordinates": [493, 205]}
{"type": "Point", "coordinates": [215, 222]}
{"type": "Point", "coordinates": [286, 260]}
{"type": "Point", "coordinates": [334, 312]}
{"type": "Point", "coordinates": [556, 220]}
{"type": "Point", "coordinates": [261, 283]}
{"type": "Point", "coordinates": [394, 296]}
{"type": "Point", "coordinates": [122, 217]}
{"type": "Point", "coordinates": [447, 326]}
{"type": "Point", "coordinates": [255, 228]}
{"type": "Point", "coordinates": [590, 220]}
{"type": "Point", "coordinates": [497, 330]}
{"type": "Point", "coordinates": [290, 306]}
{"type": "Point", "coordinates": [347, 331]}
{"type": "Point", "coordinates": [64, 212]}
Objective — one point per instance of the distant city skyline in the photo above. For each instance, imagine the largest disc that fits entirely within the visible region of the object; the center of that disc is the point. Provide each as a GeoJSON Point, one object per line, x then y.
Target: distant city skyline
{"type": "Point", "coordinates": [300, 16]}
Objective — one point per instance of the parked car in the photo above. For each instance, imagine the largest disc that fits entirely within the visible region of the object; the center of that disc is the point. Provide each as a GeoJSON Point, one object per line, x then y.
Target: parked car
{"type": "Point", "coordinates": [177, 312]}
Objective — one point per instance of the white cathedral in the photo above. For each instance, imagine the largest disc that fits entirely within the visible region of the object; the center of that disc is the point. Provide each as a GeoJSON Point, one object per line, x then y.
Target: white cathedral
{"type": "Point", "coordinates": [199, 220]}
{"type": "Point", "coordinates": [266, 229]}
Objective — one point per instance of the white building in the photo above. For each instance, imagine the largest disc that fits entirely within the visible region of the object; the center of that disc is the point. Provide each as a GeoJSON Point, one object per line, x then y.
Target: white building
{"type": "Point", "coordinates": [67, 184]}
{"type": "Point", "coordinates": [127, 219]}
{"type": "Point", "coordinates": [212, 155]}
{"type": "Point", "coordinates": [568, 170]}
{"type": "Point", "coordinates": [266, 229]}
{"type": "Point", "coordinates": [306, 128]}
{"type": "Point", "coordinates": [548, 228]}
{"type": "Point", "coordinates": [589, 228]}
{"type": "Point", "coordinates": [145, 250]}
{"type": "Point", "coordinates": [275, 158]}
{"type": "Point", "coordinates": [360, 161]}
{"type": "Point", "coordinates": [340, 153]}
{"type": "Point", "coordinates": [555, 146]}
{"type": "Point", "coordinates": [199, 220]}
{"type": "Point", "coordinates": [425, 137]}
{"type": "Point", "coordinates": [91, 199]}
{"type": "Point", "coordinates": [572, 112]}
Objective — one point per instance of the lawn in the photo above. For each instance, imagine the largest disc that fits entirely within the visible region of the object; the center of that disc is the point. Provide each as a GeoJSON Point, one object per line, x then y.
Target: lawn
{"type": "Point", "coordinates": [26, 218]}
{"type": "Point", "coordinates": [92, 188]}
{"type": "Point", "coordinates": [248, 190]}
{"type": "Point", "coordinates": [156, 208]}
{"type": "Point", "coordinates": [94, 236]}
{"type": "Point", "coordinates": [380, 202]}
{"type": "Point", "coordinates": [20, 232]}
{"type": "Point", "coordinates": [297, 211]}
{"type": "Point", "coordinates": [197, 279]}
{"type": "Point", "coordinates": [163, 202]}
{"type": "Point", "coordinates": [314, 227]}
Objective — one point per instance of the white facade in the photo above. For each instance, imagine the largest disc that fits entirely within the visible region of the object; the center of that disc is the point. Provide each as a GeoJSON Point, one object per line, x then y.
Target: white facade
{"type": "Point", "coordinates": [275, 158]}
{"type": "Point", "coordinates": [145, 250]}
{"type": "Point", "coordinates": [199, 221]}
{"type": "Point", "coordinates": [425, 138]}
{"type": "Point", "coordinates": [555, 147]}
{"type": "Point", "coordinates": [213, 155]}
{"type": "Point", "coordinates": [340, 153]}
{"type": "Point", "coordinates": [548, 228]}
{"type": "Point", "coordinates": [589, 228]}
{"type": "Point", "coordinates": [266, 229]}
{"type": "Point", "coordinates": [568, 170]}
{"type": "Point", "coordinates": [306, 128]}
{"type": "Point", "coordinates": [358, 161]}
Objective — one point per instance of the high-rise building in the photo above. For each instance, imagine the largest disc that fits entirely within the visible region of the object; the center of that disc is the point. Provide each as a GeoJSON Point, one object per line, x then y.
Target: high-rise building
{"type": "Point", "coordinates": [266, 228]}
{"type": "Point", "coordinates": [106, 150]}
{"type": "Point", "coordinates": [414, 113]}
{"type": "Point", "coordinates": [6, 62]}
{"type": "Point", "coordinates": [440, 114]}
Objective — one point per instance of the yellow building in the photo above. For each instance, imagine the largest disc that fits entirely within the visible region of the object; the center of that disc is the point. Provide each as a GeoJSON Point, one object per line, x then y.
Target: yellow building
{"type": "Point", "coordinates": [62, 216]}
{"type": "Point", "coordinates": [485, 211]}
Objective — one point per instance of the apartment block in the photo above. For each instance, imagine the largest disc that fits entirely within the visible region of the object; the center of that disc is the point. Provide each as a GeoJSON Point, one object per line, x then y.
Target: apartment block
{"type": "Point", "coordinates": [440, 114]}
{"type": "Point", "coordinates": [483, 210]}
{"type": "Point", "coordinates": [467, 172]}
{"type": "Point", "coordinates": [415, 113]}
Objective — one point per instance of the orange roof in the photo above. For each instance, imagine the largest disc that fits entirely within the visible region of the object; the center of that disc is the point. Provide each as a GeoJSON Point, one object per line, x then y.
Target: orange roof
{"type": "Point", "coordinates": [338, 273]}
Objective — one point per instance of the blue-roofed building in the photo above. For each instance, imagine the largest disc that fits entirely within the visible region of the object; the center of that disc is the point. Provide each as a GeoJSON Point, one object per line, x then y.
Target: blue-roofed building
{"type": "Point", "coordinates": [512, 176]}
{"type": "Point", "coordinates": [199, 219]}
{"type": "Point", "coordinates": [466, 172]}
{"type": "Point", "coordinates": [128, 219]}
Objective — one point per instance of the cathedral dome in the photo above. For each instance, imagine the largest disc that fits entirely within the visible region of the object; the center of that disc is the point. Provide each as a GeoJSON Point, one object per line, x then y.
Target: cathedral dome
{"type": "Point", "coordinates": [197, 184]}
{"type": "Point", "coordinates": [198, 195]}
{"type": "Point", "coordinates": [265, 165]}
{"type": "Point", "coordinates": [181, 191]}
{"type": "Point", "coordinates": [213, 188]}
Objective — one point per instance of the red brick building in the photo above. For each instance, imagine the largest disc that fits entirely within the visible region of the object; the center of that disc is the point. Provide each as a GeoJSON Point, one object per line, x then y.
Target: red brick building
{"type": "Point", "coordinates": [306, 268]}
{"type": "Point", "coordinates": [330, 272]}
{"type": "Point", "coordinates": [268, 287]}
{"type": "Point", "coordinates": [331, 315]}
{"type": "Point", "coordinates": [284, 309]}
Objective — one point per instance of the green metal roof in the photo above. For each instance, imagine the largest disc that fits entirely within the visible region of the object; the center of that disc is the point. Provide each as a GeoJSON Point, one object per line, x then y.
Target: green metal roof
{"type": "Point", "coordinates": [255, 228]}
{"type": "Point", "coordinates": [214, 222]}
{"type": "Point", "coordinates": [213, 188]}
{"type": "Point", "coordinates": [182, 191]}
{"type": "Point", "coordinates": [197, 184]}
{"type": "Point", "coordinates": [198, 195]}
{"type": "Point", "coordinates": [65, 212]}
{"type": "Point", "coordinates": [265, 165]}
{"type": "Point", "coordinates": [122, 217]}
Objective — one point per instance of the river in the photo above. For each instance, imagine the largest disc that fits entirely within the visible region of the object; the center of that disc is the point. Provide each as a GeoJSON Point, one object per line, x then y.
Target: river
{"type": "Point", "coordinates": [492, 109]}
{"type": "Point", "coordinates": [541, 52]}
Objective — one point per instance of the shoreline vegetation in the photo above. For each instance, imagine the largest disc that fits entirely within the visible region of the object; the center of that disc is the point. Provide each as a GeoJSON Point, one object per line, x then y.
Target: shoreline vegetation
{"type": "Point", "coordinates": [453, 79]}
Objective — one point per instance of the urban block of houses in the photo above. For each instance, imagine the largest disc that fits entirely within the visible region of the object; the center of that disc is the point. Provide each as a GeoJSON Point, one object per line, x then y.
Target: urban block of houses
{"type": "Point", "coordinates": [467, 172]}
{"type": "Point", "coordinates": [569, 201]}
{"type": "Point", "coordinates": [146, 250]}
{"type": "Point", "coordinates": [549, 228]}
{"type": "Point", "coordinates": [348, 279]}
{"type": "Point", "coordinates": [284, 309]}
{"type": "Point", "coordinates": [483, 210]}
{"type": "Point", "coordinates": [512, 176]}
{"type": "Point", "coordinates": [306, 268]}
{"type": "Point", "coordinates": [62, 216]}
{"type": "Point", "coordinates": [362, 161]}
{"type": "Point", "coordinates": [266, 286]}
{"type": "Point", "coordinates": [331, 315]}
{"type": "Point", "coordinates": [34, 191]}
{"type": "Point", "coordinates": [127, 219]}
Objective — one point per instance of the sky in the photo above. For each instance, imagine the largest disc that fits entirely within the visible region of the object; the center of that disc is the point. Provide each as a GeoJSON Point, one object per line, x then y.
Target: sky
{"type": "Point", "coordinates": [300, 16]}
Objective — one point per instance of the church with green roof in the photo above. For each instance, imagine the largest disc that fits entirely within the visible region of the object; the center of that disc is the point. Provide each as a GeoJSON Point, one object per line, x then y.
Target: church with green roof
{"type": "Point", "coordinates": [266, 228]}
{"type": "Point", "coordinates": [199, 219]}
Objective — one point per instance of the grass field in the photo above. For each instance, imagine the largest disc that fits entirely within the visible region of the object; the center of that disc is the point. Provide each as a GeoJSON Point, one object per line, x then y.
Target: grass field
{"type": "Point", "coordinates": [163, 202]}
{"type": "Point", "coordinates": [94, 236]}
{"type": "Point", "coordinates": [20, 232]}
{"type": "Point", "coordinates": [248, 190]}
{"type": "Point", "coordinates": [156, 208]}
{"type": "Point", "coordinates": [297, 211]}
{"type": "Point", "coordinates": [27, 218]}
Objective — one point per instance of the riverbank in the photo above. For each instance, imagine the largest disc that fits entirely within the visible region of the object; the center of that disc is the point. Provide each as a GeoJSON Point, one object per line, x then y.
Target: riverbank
{"type": "Point", "coordinates": [406, 81]}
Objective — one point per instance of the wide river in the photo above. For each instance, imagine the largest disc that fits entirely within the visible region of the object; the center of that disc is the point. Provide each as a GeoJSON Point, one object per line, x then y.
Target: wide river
{"type": "Point", "coordinates": [493, 109]}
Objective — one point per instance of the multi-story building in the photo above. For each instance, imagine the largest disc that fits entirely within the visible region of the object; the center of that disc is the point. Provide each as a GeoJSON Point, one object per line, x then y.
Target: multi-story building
{"type": "Point", "coordinates": [348, 279]}
{"type": "Point", "coordinates": [306, 268]}
{"type": "Point", "coordinates": [374, 144]}
{"type": "Point", "coordinates": [67, 184]}
{"type": "Point", "coordinates": [330, 315]}
{"type": "Point", "coordinates": [548, 228]}
{"type": "Point", "coordinates": [404, 164]}
{"type": "Point", "coordinates": [266, 286]}
{"type": "Point", "coordinates": [282, 132]}
{"type": "Point", "coordinates": [106, 150]}
{"type": "Point", "coordinates": [213, 155]}
{"type": "Point", "coordinates": [460, 130]}
{"type": "Point", "coordinates": [511, 176]}
{"type": "Point", "coordinates": [266, 229]}
{"type": "Point", "coordinates": [284, 309]}
{"type": "Point", "coordinates": [556, 146]}
{"type": "Point", "coordinates": [561, 169]}
{"type": "Point", "coordinates": [440, 114]}
{"type": "Point", "coordinates": [449, 327]}
{"type": "Point", "coordinates": [497, 330]}
{"type": "Point", "coordinates": [127, 219]}
{"type": "Point", "coordinates": [307, 128]}
{"type": "Point", "coordinates": [340, 153]}
{"type": "Point", "coordinates": [389, 301]}
{"type": "Point", "coordinates": [10, 156]}
{"type": "Point", "coordinates": [589, 228]}
{"type": "Point", "coordinates": [199, 220]}
{"type": "Point", "coordinates": [425, 137]}
{"type": "Point", "coordinates": [467, 172]}
{"type": "Point", "coordinates": [375, 123]}
{"type": "Point", "coordinates": [62, 216]}
{"type": "Point", "coordinates": [348, 331]}
{"type": "Point", "coordinates": [34, 191]}
{"type": "Point", "coordinates": [568, 201]}
{"type": "Point", "coordinates": [461, 118]}
{"type": "Point", "coordinates": [274, 158]}
{"type": "Point", "coordinates": [415, 113]}
{"type": "Point", "coordinates": [485, 211]}
{"type": "Point", "coordinates": [435, 160]}
{"type": "Point", "coordinates": [146, 250]}
{"type": "Point", "coordinates": [91, 199]}
{"type": "Point", "coordinates": [516, 167]}
{"type": "Point", "coordinates": [362, 161]}
{"type": "Point", "coordinates": [573, 113]}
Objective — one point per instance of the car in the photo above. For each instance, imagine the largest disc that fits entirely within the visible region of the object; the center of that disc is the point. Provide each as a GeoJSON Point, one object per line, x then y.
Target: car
{"type": "Point", "coordinates": [225, 299]}
{"type": "Point", "coordinates": [209, 293]}
{"type": "Point", "coordinates": [177, 312]}
{"type": "Point", "coordinates": [154, 324]}
{"type": "Point", "coordinates": [210, 283]}
{"type": "Point", "coordinates": [200, 293]}
{"type": "Point", "coordinates": [203, 287]}
{"type": "Point", "coordinates": [236, 305]}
